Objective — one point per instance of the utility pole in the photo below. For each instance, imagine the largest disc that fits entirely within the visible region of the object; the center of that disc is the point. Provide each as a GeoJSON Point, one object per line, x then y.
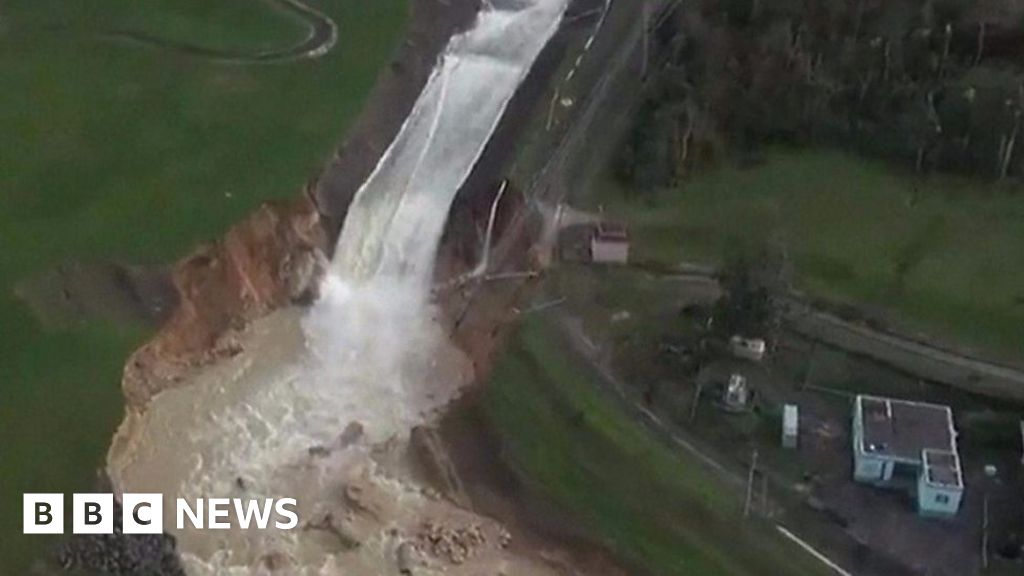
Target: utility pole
{"type": "Point", "coordinates": [810, 366]}
{"type": "Point", "coordinates": [646, 19]}
{"type": "Point", "coordinates": [696, 402]}
{"type": "Point", "coordinates": [551, 110]}
{"type": "Point", "coordinates": [750, 483]}
{"type": "Point", "coordinates": [984, 534]}
{"type": "Point", "coordinates": [764, 495]}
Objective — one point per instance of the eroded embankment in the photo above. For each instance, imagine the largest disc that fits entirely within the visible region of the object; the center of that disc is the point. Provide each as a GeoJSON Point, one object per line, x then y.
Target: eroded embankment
{"type": "Point", "coordinates": [370, 356]}
{"type": "Point", "coordinates": [219, 293]}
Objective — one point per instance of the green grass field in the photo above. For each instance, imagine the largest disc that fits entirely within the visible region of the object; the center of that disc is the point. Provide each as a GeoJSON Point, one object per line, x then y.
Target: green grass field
{"type": "Point", "coordinates": [112, 151]}
{"type": "Point", "coordinates": [948, 262]}
{"type": "Point", "coordinates": [245, 25]}
{"type": "Point", "coordinates": [656, 507]}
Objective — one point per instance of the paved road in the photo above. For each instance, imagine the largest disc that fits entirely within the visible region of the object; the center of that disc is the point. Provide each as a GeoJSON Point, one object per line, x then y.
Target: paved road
{"type": "Point", "coordinates": [926, 362]}
{"type": "Point", "coordinates": [932, 363]}
{"type": "Point", "coordinates": [951, 367]}
{"type": "Point", "coordinates": [551, 184]}
{"type": "Point", "coordinates": [845, 550]}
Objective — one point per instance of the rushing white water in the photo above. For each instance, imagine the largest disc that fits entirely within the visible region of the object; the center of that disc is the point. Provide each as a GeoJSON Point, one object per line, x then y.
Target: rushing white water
{"type": "Point", "coordinates": [369, 351]}
{"type": "Point", "coordinates": [397, 217]}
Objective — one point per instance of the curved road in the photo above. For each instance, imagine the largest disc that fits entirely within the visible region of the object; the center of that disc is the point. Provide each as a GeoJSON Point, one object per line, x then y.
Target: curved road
{"type": "Point", "coordinates": [321, 38]}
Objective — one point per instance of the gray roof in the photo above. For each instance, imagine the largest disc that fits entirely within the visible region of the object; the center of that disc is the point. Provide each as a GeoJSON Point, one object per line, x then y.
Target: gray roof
{"type": "Point", "coordinates": [942, 468]}
{"type": "Point", "coordinates": [611, 232]}
{"type": "Point", "coordinates": [902, 429]}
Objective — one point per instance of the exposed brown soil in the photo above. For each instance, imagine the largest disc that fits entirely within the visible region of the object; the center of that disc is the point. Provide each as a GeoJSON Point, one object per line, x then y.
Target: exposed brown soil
{"type": "Point", "coordinates": [225, 285]}
{"type": "Point", "coordinates": [480, 312]}
{"type": "Point", "coordinates": [270, 259]}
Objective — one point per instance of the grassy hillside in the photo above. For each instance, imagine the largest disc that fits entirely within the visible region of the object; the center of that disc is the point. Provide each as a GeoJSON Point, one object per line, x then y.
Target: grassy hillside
{"type": "Point", "coordinates": [245, 25]}
{"type": "Point", "coordinates": [941, 255]}
{"type": "Point", "coordinates": [113, 151]}
{"type": "Point", "coordinates": [659, 508]}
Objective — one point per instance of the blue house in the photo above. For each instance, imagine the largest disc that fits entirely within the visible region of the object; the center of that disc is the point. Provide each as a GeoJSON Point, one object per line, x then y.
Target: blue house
{"type": "Point", "coordinates": [911, 446]}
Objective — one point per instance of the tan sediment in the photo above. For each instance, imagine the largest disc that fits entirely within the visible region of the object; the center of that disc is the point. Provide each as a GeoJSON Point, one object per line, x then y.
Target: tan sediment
{"type": "Point", "coordinates": [384, 510]}
{"type": "Point", "coordinates": [381, 505]}
{"type": "Point", "coordinates": [223, 286]}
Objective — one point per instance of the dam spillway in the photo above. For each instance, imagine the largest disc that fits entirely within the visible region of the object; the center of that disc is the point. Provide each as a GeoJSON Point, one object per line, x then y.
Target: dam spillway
{"type": "Point", "coordinates": [394, 224]}
{"type": "Point", "coordinates": [368, 356]}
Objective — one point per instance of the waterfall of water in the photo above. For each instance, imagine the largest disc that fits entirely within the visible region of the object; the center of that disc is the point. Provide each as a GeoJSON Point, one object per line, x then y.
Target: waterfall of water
{"type": "Point", "coordinates": [368, 352]}
{"type": "Point", "coordinates": [397, 217]}
{"type": "Point", "coordinates": [373, 311]}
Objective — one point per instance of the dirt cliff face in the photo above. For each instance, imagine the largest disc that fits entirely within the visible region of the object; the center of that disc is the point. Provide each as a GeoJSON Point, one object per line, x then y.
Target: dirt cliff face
{"type": "Point", "coordinates": [272, 258]}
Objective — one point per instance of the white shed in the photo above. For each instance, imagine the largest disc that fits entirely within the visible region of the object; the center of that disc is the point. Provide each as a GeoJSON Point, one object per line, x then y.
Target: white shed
{"type": "Point", "coordinates": [790, 425]}
{"type": "Point", "coordinates": [609, 244]}
{"type": "Point", "coordinates": [748, 348]}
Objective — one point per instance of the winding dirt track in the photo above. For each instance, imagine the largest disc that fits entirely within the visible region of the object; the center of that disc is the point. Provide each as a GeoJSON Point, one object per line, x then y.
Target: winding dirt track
{"type": "Point", "coordinates": [322, 36]}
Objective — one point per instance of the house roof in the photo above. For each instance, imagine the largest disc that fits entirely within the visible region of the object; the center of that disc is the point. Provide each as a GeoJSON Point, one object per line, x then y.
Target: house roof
{"type": "Point", "coordinates": [942, 468]}
{"type": "Point", "coordinates": [611, 232]}
{"type": "Point", "coordinates": [903, 429]}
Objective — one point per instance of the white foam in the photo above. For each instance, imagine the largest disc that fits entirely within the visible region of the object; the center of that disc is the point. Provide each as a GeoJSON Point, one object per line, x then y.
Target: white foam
{"type": "Point", "coordinates": [399, 213]}
{"type": "Point", "coordinates": [369, 351]}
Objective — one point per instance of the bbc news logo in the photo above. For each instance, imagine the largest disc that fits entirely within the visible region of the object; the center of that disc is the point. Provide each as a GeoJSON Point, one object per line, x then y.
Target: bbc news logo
{"type": "Point", "coordinates": [144, 513]}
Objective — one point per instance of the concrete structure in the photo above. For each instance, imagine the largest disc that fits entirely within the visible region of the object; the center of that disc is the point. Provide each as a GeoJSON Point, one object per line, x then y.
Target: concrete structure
{"type": "Point", "coordinates": [609, 244]}
{"type": "Point", "coordinates": [909, 445]}
{"type": "Point", "coordinates": [748, 348]}
{"type": "Point", "coordinates": [790, 426]}
{"type": "Point", "coordinates": [940, 486]}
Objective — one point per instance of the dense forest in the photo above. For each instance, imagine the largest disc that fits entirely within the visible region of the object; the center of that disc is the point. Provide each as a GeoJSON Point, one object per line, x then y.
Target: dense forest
{"type": "Point", "coordinates": [934, 85]}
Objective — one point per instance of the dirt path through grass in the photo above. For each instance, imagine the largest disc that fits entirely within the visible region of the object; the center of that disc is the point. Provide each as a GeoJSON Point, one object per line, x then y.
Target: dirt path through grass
{"type": "Point", "coordinates": [321, 38]}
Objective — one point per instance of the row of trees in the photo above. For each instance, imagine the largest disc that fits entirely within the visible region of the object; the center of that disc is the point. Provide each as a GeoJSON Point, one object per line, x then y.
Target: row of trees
{"type": "Point", "coordinates": [929, 83]}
